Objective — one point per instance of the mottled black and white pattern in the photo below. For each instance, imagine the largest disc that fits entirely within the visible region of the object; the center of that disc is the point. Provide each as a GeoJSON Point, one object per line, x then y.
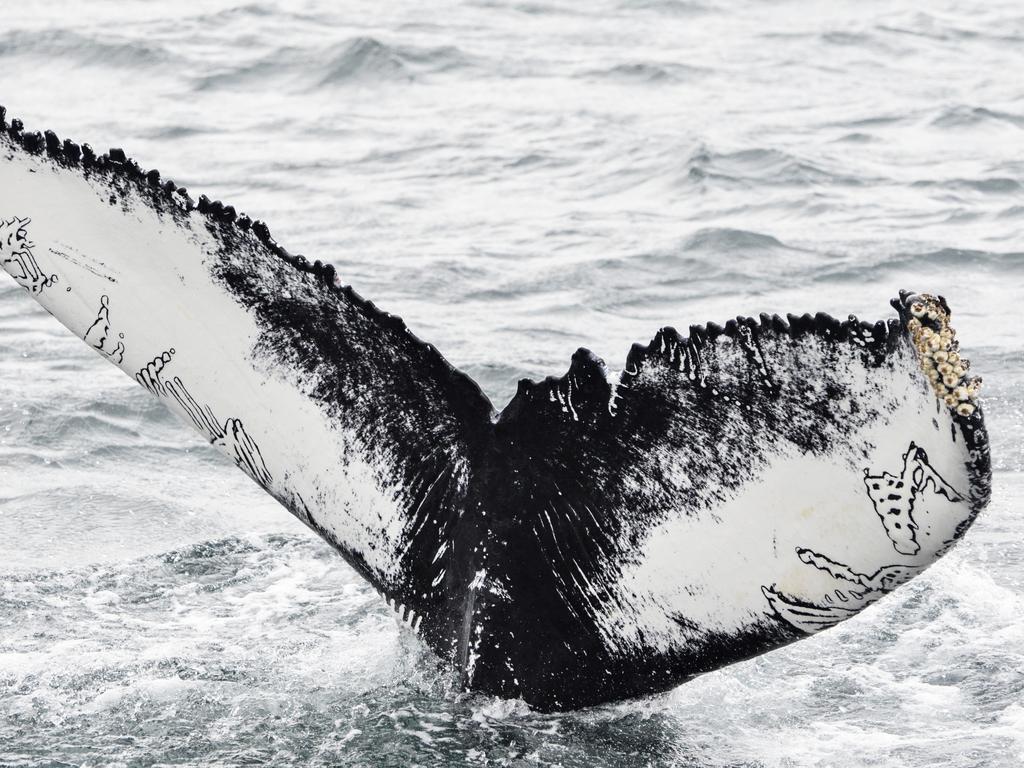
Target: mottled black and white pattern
{"type": "Point", "coordinates": [596, 539]}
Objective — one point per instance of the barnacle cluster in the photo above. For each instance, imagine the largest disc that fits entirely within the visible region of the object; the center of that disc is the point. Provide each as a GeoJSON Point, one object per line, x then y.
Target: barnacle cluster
{"type": "Point", "coordinates": [939, 352]}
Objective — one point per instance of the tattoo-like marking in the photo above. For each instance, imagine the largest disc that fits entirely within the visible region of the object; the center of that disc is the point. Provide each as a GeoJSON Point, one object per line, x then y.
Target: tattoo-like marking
{"type": "Point", "coordinates": [99, 334]}
{"type": "Point", "coordinates": [894, 498]}
{"type": "Point", "coordinates": [149, 375]}
{"type": "Point", "coordinates": [229, 434]}
{"type": "Point", "coordinates": [17, 258]}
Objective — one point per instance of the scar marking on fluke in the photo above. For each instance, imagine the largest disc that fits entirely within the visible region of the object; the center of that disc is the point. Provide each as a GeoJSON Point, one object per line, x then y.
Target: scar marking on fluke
{"type": "Point", "coordinates": [228, 434]}
{"type": "Point", "coordinates": [149, 376]}
{"type": "Point", "coordinates": [82, 261]}
{"type": "Point", "coordinates": [17, 258]}
{"type": "Point", "coordinates": [99, 336]}
{"type": "Point", "coordinates": [894, 497]}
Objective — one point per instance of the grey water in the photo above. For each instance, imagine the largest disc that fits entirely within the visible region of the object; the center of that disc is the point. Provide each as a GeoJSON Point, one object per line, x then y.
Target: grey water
{"type": "Point", "coordinates": [516, 178]}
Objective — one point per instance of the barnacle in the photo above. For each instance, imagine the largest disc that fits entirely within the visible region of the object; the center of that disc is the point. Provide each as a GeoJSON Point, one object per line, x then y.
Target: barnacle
{"type": "Point", "coordinates": [938, 352]}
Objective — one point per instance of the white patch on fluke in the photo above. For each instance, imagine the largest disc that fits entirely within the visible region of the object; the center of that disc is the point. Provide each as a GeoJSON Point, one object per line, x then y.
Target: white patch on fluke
{"type": "Point", "coordinates": [160, 264]}
{"type": "Point", "coordinates": [731, 567]}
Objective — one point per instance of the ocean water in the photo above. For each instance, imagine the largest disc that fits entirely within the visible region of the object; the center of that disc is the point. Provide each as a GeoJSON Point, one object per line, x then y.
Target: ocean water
{"type": "Point", "coordinates": [516, 178]}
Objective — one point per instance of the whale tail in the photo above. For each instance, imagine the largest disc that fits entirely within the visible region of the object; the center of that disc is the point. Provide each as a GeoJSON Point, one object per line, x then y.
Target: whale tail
{"type": "Point", "coordinates": [737, 487]}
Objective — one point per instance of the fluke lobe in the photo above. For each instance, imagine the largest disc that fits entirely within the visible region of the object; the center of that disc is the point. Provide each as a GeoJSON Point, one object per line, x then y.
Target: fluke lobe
{"type": "Point", "coordinates": [737, 488]}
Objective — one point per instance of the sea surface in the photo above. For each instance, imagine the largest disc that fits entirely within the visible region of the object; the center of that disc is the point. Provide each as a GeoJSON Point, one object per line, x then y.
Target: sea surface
{"type": "Point", "coordinates": [516, 178]}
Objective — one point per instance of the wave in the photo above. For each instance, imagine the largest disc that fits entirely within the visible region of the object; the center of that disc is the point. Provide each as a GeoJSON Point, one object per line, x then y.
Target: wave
{"type": "Point", "coordinates": [992, 186]}
{"type": "Point", "coordinates": [367, 58]}
{"type": "Point", "coordinates": [171, 132]}
{"type": "Point", "coordinates": [666, 7]}
{"type": "Point", "coordinates": [69, 46]}
{"type": "Point", "coordinates": [250, 11]}
{"type": "Point", "coordinates": [763, 166]}
{"type": "Point", "coordinates": [961, 257]}
{"type": "Point", "coordinates": [860, 269]}
{"type": "Point", "coordinates": [842, 37]}
{"type": "Point", "coordinates": [648, 72]}
{"type": "Point", "coordinates": [722, 240]}
{"type": "Point", "coordinates": [963, 116]}
{"type": "Point", "coordinates": [872, 121]}
{"type": "Point", "coordinates": [541, 9]}
{"type": "Point", "coordinates": [857, 137]}
{"type": "Point", "coordinates": [363, 58]}
{"type": "Point", "coordinates": [357, 60]}
{"type": "Point", "coordinates": [933, 27]}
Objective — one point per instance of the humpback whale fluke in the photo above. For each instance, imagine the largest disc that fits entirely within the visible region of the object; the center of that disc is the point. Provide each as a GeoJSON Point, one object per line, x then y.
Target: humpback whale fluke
{"type": "Point", "coordinates": [735, 489]}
